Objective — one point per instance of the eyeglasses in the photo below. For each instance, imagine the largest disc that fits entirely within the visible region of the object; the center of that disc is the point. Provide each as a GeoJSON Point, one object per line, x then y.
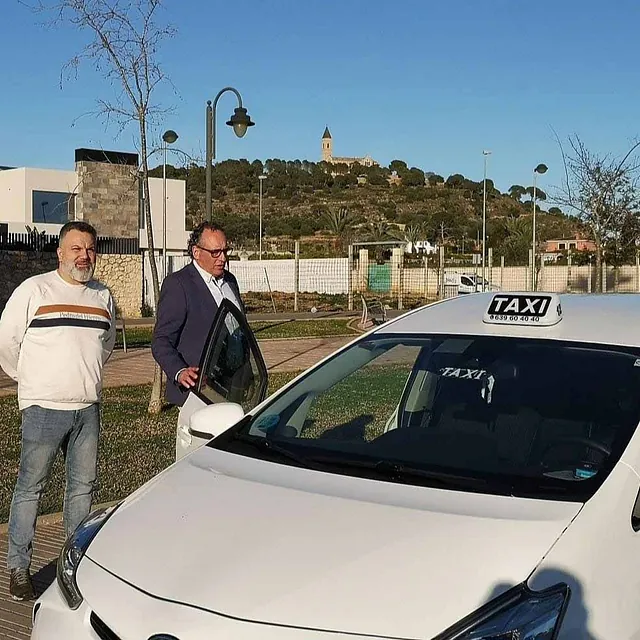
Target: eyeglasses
{"type": "Point", "coordinates": [215, 253]}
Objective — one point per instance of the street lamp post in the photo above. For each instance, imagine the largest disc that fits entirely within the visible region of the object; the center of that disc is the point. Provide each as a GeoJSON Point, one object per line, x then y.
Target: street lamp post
{"type": "Point", "coordinates": [168, 137]}
{"type": "Point", "coordinates": [484, 218]}
{"type": "Point", "coordinates": [261, 178]}
{"type": "Point", "coordinates": [540, 169]}
{"type": "Point", "coordinates": [240, 121]}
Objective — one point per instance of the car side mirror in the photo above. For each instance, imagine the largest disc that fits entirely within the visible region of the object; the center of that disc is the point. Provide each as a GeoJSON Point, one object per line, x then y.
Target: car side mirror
{"type": "Point", "coordinates": [209, 422]}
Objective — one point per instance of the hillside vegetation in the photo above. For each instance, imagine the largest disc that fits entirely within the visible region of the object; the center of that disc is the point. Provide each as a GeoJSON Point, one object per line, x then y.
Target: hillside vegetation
{"type": "Point", "coordinates": [328, 206]}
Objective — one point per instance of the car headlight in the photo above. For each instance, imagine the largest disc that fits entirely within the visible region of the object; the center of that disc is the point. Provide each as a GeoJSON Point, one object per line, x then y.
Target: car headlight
{"type": "Point", "coordinates": [73, 551]}
{"type": "Point", "coordinates": [519, 614]}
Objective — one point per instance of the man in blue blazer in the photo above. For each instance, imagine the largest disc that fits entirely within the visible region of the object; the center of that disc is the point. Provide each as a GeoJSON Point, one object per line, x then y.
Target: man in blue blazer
{"type": "Point", "coordinates": [188, 303]}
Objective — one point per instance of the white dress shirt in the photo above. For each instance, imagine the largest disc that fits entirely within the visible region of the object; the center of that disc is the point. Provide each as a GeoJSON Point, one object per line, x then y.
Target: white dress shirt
{"type": "Point", "coordinates": [219, 287]}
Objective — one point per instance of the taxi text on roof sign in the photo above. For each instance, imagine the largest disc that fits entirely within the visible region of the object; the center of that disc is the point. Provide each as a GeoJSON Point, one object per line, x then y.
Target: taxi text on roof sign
{"type": "Point", "coordinates": [528, 309]}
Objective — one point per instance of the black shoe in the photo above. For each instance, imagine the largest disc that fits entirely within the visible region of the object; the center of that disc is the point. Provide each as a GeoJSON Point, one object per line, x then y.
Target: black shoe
{"type": "Point", "coordinates": [20, 585]}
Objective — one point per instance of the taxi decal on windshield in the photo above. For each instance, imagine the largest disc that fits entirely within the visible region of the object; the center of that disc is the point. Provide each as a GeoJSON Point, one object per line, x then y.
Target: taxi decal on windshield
{"type": "Point", "coordinates": [463, 374]}
{"type": "Point", "coordinates": [524, 309]}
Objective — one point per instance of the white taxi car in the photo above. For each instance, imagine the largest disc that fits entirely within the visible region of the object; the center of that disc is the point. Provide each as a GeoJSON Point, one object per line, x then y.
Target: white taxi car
{"type": "Point", "coordinates": [468, 471]}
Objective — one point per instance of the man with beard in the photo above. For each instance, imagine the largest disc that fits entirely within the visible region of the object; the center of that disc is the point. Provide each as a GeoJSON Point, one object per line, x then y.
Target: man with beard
{"type": "Point", "coordinates": [57, 331]}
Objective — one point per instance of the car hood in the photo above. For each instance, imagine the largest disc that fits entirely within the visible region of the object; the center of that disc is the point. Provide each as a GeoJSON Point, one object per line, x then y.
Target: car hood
{"type": "Point", "coordinates": [272, 543]}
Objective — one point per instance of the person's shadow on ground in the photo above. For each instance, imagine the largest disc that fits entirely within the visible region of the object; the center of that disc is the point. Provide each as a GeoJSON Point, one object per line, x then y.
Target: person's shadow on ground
{"type": "Point", "coordinates": [44, 578]}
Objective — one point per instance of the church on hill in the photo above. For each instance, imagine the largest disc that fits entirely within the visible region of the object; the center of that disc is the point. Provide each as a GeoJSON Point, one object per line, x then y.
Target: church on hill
{"type": "Point", "coordinates": [327, 154]}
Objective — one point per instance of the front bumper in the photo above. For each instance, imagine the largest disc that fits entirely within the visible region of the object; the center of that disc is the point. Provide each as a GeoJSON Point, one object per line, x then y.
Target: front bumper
{"type": "Point", "coordinates": [114, 610]}
{"type": "Point", "coordinates": [52, 618]}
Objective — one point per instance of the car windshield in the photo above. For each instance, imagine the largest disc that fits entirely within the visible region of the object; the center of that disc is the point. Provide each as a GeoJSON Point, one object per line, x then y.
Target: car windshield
{"type": "Point", "coordinates": [504, 415]}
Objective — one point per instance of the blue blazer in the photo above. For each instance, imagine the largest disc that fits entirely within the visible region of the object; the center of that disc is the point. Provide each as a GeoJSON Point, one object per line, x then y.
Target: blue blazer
{"type": "Point", "coordinates": [184, 316]}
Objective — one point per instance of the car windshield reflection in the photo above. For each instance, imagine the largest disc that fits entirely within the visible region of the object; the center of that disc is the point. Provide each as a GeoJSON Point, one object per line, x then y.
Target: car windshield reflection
{"type": "Point", "coordinates": [519, 416]}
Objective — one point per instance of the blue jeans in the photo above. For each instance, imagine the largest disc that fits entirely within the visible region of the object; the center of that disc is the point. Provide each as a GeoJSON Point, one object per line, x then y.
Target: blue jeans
{"type": "Point", "coordinates": [44, 432]}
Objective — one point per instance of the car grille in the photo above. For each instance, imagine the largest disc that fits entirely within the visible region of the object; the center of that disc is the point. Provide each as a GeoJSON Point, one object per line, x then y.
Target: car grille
{"type": "Point", "coordinates": [103, 631]}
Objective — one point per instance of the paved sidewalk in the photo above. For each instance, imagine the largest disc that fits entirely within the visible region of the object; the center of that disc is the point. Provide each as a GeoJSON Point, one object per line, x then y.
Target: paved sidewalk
{"type": "Point", "coordinates": [15, 617]}
{"type": "Point", "coordinates": [136, 366]}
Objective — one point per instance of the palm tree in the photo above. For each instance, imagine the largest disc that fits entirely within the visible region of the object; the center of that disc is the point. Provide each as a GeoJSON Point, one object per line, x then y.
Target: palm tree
{"type": "Point", "coordinates": [339, 223]}
{"type": "Point", "coordinates": [517, 242]}
{"type": "Point", "coordinates": [379, 231]}
{"type": "Point", "coordinates": [410, 234]}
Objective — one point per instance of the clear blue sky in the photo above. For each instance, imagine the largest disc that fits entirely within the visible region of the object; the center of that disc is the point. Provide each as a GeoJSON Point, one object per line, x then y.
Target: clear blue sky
{"type": "Point", "coordinates": [432, 83]}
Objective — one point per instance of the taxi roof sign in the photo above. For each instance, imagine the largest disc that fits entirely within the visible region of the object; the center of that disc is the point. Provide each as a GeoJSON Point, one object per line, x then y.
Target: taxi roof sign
{"type": "Point", "coordinates": [524, 309]}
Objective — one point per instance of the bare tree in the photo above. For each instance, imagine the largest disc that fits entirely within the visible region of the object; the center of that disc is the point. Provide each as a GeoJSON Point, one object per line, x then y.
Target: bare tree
{"type": "Point", "coordinates": [124, 39]}
{"type": "Point", "coordinates": [603, 191]}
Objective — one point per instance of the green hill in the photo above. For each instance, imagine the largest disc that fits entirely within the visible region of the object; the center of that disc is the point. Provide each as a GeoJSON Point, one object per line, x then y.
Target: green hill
{"type": "Point", "coordinates": [330, 205]}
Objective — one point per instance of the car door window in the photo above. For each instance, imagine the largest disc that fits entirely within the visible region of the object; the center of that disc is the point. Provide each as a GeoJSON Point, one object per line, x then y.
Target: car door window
{"type": "Point", "coordinates": [467, 282]}
{"type": "Point", "coordinates": [233, 369]}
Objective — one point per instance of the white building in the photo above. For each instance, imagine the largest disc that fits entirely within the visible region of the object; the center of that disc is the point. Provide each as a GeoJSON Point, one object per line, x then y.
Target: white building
{"type": "Point", "coordinates": [46, 199]}
{"type": "Point", "coordinates": [421, 246]}
{"type": "Point", "coordinates": [177, 235]}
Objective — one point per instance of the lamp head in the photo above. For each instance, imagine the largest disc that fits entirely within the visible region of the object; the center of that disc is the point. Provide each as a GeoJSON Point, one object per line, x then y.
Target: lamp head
{"type": "Point", "coordinates": [169, 136]}
{"type": "Point", "coordinates": [541, 168]}
{"type": "Point", "coordinates": [240, 121]}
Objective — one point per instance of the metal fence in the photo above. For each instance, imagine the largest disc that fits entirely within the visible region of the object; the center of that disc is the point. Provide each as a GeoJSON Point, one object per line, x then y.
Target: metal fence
{"type": "Point", "coordinates": [548, 275]}
{"type": "Point", "coordinates": [401, 280]}
{"type": "Point", "coordinates": [48, 243]}
{"type": "Point", "coordinates": [438, 276]}
{"type": "Point", "coordinates": [289, 276]}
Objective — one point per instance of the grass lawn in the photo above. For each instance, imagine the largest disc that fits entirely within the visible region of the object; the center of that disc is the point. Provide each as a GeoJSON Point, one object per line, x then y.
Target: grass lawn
{"type": "Point", "coordinates": [303, 328]}
{"type": "Point", "coordinates": [140, 336]}
{"type": "Point", "coordinates": [134, 446]}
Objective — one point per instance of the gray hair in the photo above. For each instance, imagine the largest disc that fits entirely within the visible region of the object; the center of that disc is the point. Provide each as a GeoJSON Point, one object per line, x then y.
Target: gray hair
{"type": "Point", "coordinates": [196, 234]}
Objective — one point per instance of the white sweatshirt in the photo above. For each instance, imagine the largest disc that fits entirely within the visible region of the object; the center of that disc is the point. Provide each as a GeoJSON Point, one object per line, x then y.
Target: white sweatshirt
{"type": "Point", "coordinates": [54, 340]}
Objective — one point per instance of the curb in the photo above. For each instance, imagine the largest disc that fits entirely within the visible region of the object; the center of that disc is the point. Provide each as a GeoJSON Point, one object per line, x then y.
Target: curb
{"type": "Point", "coordinates": [353, 324]}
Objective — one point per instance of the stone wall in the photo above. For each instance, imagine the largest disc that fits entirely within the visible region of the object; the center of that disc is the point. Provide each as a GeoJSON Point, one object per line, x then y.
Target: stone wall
{"type": "Point", "coordinates": [108, 198]}
{"type": "Point", "coordinates": [122, 274]}
{"type": "Point", "coordinates": [17, 266]}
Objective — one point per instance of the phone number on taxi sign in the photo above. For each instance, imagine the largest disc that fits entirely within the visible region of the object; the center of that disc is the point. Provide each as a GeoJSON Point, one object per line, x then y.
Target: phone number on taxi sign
{"type": "Point", "coordinates": [514, 318]}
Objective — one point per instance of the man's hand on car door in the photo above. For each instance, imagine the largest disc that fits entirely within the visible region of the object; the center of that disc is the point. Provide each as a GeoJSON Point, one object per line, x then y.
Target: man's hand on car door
{"type": "Point", "coordinates": [188, 377]}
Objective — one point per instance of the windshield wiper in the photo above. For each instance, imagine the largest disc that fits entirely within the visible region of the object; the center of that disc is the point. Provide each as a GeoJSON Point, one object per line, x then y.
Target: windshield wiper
{"type": "Point", "coordinates": [399, 472]}
{"type": "Point", "coordinates": [393, 471]}
{"type": "Point", "coordinates": [268, 445]}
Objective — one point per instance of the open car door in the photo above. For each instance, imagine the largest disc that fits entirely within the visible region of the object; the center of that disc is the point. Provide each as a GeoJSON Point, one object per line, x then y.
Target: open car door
{"type": "Point", "coordinates": [232, 370]}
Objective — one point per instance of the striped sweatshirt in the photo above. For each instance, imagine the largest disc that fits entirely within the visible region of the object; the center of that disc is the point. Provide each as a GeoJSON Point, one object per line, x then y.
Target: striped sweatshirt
{"type": "Point", "coordinates": [55, 338]}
